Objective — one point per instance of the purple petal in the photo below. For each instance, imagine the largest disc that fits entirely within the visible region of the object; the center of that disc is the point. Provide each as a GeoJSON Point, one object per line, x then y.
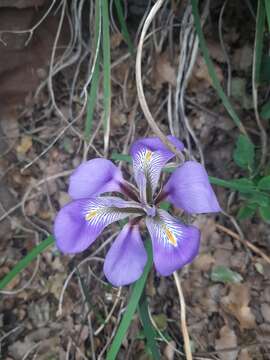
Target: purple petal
{"type": "Point", "coordinates": [78, 224]}
{"type": "Point", "coordinates": [189, 189]}
{"type": "Point", "coordinates": [93, 178]}
{"type": "Point", "coordinates": [174, 244]}
{"type": "Point", "coordinates": [149, 156]}
{"type": "Point", "coordinates": [155, 144]}
{"type": "Point", "coordinates": [126, 258]}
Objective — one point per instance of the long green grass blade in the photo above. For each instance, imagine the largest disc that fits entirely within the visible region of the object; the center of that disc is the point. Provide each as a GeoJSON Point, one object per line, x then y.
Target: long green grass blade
{"type": "Point", "coordinates": [106, 69]}
{"type": "Point", "coordinates": [121, 157]}
{"type": "Point", "coordinates": [95, 79]}
{"type": "Point", "coordinates": [260, 23]}
{"type": "Point", "coordinates": [131, 307]}
{"type": "Point", "coordinates": [22, 264]}
{"type": "Point", "coordinates": [124, 29]}
{"type": "Point", "coordinates": [267, 9]}
{"type": "Point", "coordinates": [148, 329]}
{"type": "Point", "coordinates": [211, 68]}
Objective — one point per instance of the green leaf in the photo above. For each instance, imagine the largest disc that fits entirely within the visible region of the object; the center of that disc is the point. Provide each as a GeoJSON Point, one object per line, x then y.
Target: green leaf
{"type": "Point", "coordinates": [244, 152]}
{"type": "Point", "coordinates": [262, 199]}
{"type": "Point", "coordinates": [258, 45]}
{"type": "Point", "coordinates": [246, 212]}
{"type": "Point", "coordinates": [121, 157]}
{"type": "Point", "coordinates": [91, 102]}
{"type": "Point", "coordinates": [148, 329]}
{"type": "Point", "coordinates": [264, 183]}
{"type": "Point", "coordinates": [164, 205]}
{"type": "Point", "coordinates": [265, 70]}
{"type": "Point", "coordinates": [131, 307]}
{"type": "Point", "coordinates": [211, 68]}
{"type": "Point", "coordinates": [267, 9]}
{"type": "Point", "coordinates": [265, 111]}
{"type": "Point", "coordinates": [124, 29]}
{"type": "Point", "coordinates": [265, 213]}
{"type": "Point", "coordinates": [161, 321]}
{"type": "Point", "coordinates": [22, 264]}
{"type": "Point", "coordinates": [242, 184]}
{"type": "Point", "coordinates": [225, 275]}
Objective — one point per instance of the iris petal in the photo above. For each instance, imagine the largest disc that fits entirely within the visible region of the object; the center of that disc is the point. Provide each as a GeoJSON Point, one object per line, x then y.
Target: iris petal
{"type": "Point", "coordinates": [93, 178]}
{"type": "Point", "coordinates": [174, 244]}
{"type": "Point", "coordinates": [189, 189]}
{"type": "Point", "coordinates": [126, 258]}
{"type": "Point", "coordinates": [79, 223]}
{"type": "Point", "coordinates": [149, 156]}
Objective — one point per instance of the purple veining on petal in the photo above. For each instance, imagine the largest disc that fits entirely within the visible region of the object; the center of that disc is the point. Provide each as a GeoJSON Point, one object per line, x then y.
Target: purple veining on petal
{"type": "Point", "coordinates": [174, 244]}
{"type": "Point", "coordinates": [79, 223]}
{"type": "Point", "coordinates": [125, 261]}
{"type": "Point", "coordinates": [149, 157]}
{"type": "Point", "coordinates": [95, 177]}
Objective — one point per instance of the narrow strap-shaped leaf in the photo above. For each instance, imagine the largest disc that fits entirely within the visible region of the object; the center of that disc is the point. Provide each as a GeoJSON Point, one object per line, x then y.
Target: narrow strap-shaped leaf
{"type": "Point", "coordinates": [22, 264]}
{"type": "Point", "coordinates": [211, 68]}
{"type": "Point", "coordinates": [131, 307]}
{"type": "Point", "coordinates": [260, 23]}
{"type": "Point", "coordinates": [148, 329]}
{"type": "Point", "coordinates": [123, 25]}
{"type": "Point", "coordinates": [95, 79]}
{"type": "Point", "coordinates": [267, 9]}
{"type": "Point", "coordinates": [106, 71]}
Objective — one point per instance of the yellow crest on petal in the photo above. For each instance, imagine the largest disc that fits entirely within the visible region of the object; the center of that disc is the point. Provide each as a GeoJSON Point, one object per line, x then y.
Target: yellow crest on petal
{"type": "Point", "coordinates": [90, 215]}
{"type": "Point", "coordinates": [148, 155]}
{"type": "Point", "coordinates": [170, 236]}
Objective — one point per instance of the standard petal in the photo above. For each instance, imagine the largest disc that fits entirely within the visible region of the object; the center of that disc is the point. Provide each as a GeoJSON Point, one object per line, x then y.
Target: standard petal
{"type": "Point", "coordinates": [126, 258]}
{"type": "Point", "coordinates": [174, 244]}
{"type": "Point", "coordinates": [79, 223]}
{"type": "Point", "coordinates": [93, 178]}
{"type": "Point", "coordinates": [189, 188]}
{"type": "Point", "coordinates": [149, 156]}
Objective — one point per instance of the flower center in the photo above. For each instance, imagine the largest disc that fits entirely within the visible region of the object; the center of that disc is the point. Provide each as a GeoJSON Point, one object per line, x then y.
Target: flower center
{"type": "Point", "coordinates": [150, 210]}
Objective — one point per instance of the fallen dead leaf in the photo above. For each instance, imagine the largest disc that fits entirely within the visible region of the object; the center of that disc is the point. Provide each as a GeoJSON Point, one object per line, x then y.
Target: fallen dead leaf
{"type": "Point", "coordinates": [170, 350]}
{"type": "Point", "coordinates": [164, 72]}
{"type": "Point", "coordinates": [204, 262]}
{"type": "Point", "coordinates": [227, 339]}
{"type": "Point", "coordinates": [118, 119]}
{"type": "Point", "coordinates": [25, 145]}
{"type": "Point", "coordinates": [64, 198]}
{"type": "Point", "coordinates": [116, 40]}
{"type": "Point", "coordinates": [236, 303]}
{"type": "Point", "coordinates": [244, 355]}
{"type": "Point", "coordinates": [200, 77]}
{"type": "Point", "coordinates": [242, 58]}
{"type": "Point", "coordinates": [216, 51]}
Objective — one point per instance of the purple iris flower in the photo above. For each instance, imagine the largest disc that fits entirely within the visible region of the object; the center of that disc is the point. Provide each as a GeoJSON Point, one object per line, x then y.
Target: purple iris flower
{"type": "Point", "coordinates": [175, 244]}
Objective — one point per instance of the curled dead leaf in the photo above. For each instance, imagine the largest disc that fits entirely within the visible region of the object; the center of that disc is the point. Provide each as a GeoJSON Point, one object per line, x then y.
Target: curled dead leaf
{"type": "Point", "coordinates": [236, 303]}
{"type": "Point", "coordinates": [204, 262]}
{"type": "Point", "coordinates": [227, 340]}
{"type": "Point", "coordinates": [25, 145]}
{"type": "Point", "coordinates": [164, 72]}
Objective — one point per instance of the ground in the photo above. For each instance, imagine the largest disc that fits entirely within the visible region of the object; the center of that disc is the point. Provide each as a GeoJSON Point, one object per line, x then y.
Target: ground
{"type": "Point", "coordinates": [61, 307]}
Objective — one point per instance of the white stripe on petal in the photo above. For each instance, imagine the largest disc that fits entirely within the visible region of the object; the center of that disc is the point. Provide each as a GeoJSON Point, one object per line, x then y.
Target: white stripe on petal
{"type": "Point", "coordinates": [106, 210]}
{"type": "Point", "coordinates": [150, 164]}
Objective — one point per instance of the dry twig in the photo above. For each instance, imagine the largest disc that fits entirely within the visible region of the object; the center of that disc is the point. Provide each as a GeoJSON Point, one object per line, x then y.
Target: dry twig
{"type": "Point", "coordinates": [183, 317]}
{"type": "Point", "coordinates": [245, 242]}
